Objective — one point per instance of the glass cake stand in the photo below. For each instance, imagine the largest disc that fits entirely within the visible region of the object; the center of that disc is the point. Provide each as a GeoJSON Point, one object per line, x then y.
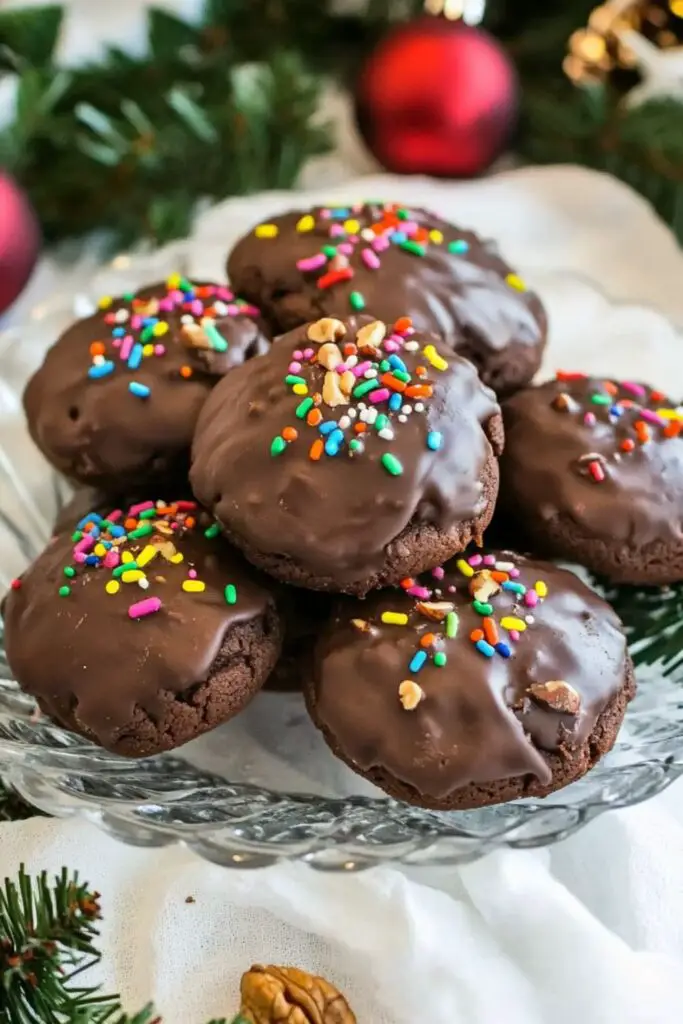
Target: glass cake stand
{"type": "Point", "coordinates": [264, 787]}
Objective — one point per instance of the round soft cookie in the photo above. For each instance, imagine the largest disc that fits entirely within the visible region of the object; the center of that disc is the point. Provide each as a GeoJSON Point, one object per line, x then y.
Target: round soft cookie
{"type": "Point", "coordinates": [350, 456]}
{"type": "Point", "coordinates": [593, 473]}
{"type": "Point", "coordinates": [491, 679]}
{"type": "Point", "coordinates": [115, 402]}
{"type": "Point", "coordinates": [142, 629]}
{"type": "Point", "coordinates": [391, 261]}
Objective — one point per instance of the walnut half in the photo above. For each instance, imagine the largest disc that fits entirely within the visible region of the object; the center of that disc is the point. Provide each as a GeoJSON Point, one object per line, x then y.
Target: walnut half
{"type": "Point", "coordinates": [286, 995]}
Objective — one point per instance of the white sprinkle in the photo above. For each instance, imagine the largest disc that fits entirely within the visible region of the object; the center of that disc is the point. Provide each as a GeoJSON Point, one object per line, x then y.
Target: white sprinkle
{"type": "Point", "coordinates": [529, 619]}
{"type": "Point", "coordinates": [122, 316]}
{"type": "Point", "coordinates": [143, 583]}
{"type": "Point", "coordinates": [352, 413]}
{"type": "Point", "coordinates": [419, 407]}
{"type": "Point", "coordinates": [220, 308]}
{"type": "Point", "coordinates": [344, 423]}
{"type": "Point", "coordinates": [505, 566]}
{"type": "Point", "coordinates": [370, 373]}
{"type": "Point", "coordinates": [406, 410]}
{"type": "Point", "coordinates": [367, 235]}
{"type": "Point", "coordinates": [402, 418]}
{"type": "Point", "coordinates": [364, 415]}
{"type": "Point", "coordinates": [187, 318]}
{"type": "Point", "coordinates": [351, 361]}
{"type": "Point", "coordinates": [372, 416]}
{"type": "Point", "coordinates": [358, 450]}
{"type": "Point", "coordinates": [98, 360]}
{"type": "Point", "coordinates": [387, 434]}
{"type": "Point", "coordinates": [411, 346]}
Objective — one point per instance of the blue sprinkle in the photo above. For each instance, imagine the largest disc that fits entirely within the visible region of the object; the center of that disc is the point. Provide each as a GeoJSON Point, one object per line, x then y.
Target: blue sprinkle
{"type": "Point", "coordinates": [327, 427]}
{"type": "Point", "coordinates": [459, 246]}
{"type": "Point", "coordinates": [117, 531]}
{"type": "Point", "coordinates": [516, 588]}
{"type": "Point", "coordinates": [150, 321]}
{"type": "Point", "coordinates": [485, 648]}
{"type": "Point", "coordinates": [135, 357]}
{"type": "Point", "coordinates": [92, 560]}
{"type": "Point", "coordinates": [94, 517]}
{"type": "Point", "coordinates": [341, 213]}
{"type": "Point", "coordinates": [395, 402]}
{"type": "Point", "coordinates": [118, 332]}
{"type": "Point", "coordinates": [503, 650]}
{"type": "Point", "coordinates": [101, 369]}
{"type": "Point", "coordinates": [334, 441]}
{"type": "Point", "coordinates": [139, 390]}
{"type": "Point", "coordinates": [396, 363]}
{"type": "Point", "coordinates": [107, 544]}
{"type": "Point", "coordinates": [434, 440]}
{"type": "Point", "coordinates": [418, 661]}
{"type": "Point", "coordinates": [398, 237]}
{"type": "Point", "coordinates": [95, 532]}
{"type": "Point", "coordinates": [617, 411]}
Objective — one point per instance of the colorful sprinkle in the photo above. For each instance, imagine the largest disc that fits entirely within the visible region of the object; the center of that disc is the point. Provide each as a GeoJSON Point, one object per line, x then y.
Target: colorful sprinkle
{"type": "Point", "coordinates": [434, 359]}
{"type": "Point", "coordinates": [112, 586]}
{"type": "Point", "coordinates": [212, 531]}
{"type": "Point", "coordinates": [140, 609]}
{"type": "Point", "coordinates": [356, 301]}
{"type": "Point", "coordinates": [139, 390]}
{"type": "Point", "coordinates": [440, 659]}
{"type": "Point", "coordinates": [392, 464]}
{"type": "Point", "coordinates": [230, 594]}
{"type": "Point", "coordinates": [485, 648]}
{"type": "Point", "coordinates": [417, 661]}
{"type": "Point", "coordinates": [452, 625]}
{"type": "Point", "coordinates": [193, 586]}
{"type": "Point", "coordinates": [278, 446]}
{"type": "Point", "coordinates": [64, 591]}
{"type": "Point", "coordinates": [267, 231]}
{"type": "Point", "coordinates": [464, 567]}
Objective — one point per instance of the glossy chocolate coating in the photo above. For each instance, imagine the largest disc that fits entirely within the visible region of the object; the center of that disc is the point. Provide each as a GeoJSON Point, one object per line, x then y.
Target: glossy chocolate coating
{"type": "Point", "coordinates": [477, 722]}
{"type": "Point", "coordinates": [337, 516]}
{"type": "Point", "coordinates": [93, 429]}
{"type": "Point", "coordinates": [460, 288]}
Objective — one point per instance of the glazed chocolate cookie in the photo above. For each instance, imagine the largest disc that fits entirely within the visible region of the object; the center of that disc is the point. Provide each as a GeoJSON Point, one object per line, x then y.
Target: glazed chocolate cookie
{"type": "Point", "coordinates": [350, 456]}
{"type": "Point", "coordinates": [494, 679]}
{"type": "Point", "coordinates": [141, 630]}
{"type": "Point", "coordinates": [391, 262]}
{"type": "Point", "coordinates": [117, 398]}
{"type": "Point", "coordinates": [593, 472]}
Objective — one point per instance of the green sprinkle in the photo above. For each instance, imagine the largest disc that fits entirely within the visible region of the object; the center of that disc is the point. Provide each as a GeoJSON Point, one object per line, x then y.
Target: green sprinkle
{"type": "Point", "coordinates": [69, 572]}
{"type": "Point", "coordinates": [482, 607]}
{"type": "Point", "coordinates": [64, 591]}
{"type": "Point", "coordinates": [381, 422]}
{"type": "Point", "coordinates": [451, 625]}
{"type": "Point", "coordinates": [78, 535]}
{"type": "Point", "coordinates": [355, 445]}
{"type": "Point", "coordinates": [391, 464]}
{"type": "Point", "coordinates": [218, 342]}
{"type": "Point", "coordinates": [601, 399]}
{"type": "Point", "coordinates": [185, 285]}
{"type": "Point", "coordinates": [129, 296]}
{"type": "Point", "coordinates": [212, 531]}
{"type": "Point", "coordinates": [149, 513]}
{"type": "Point", "coordinates": [459, 247]}
{"type": "Point", "coordinates": [231, 594]}
{"type": "Point", "coordinates": [362, 389]}
{"type": "Point", "coordinates": [106, 524]}
{"type": "Point", "coordinates": [278, 445]}
{"type": "Point", "coordinates": [329, 251]}
{"type": "Point", "coordinates": [440, 659]}
{"type": "Point", "coordinates": [385, 366]}
{"type": "Point", "coordinates": [403, 215]}
{"type": "Point", "coordinates": [124, 567]}
{"type": "Point", "coordinates": [357, 301]}
{"type": "Point", "coordinates": [414, 247]}
{"type": "Point", "coordinates": [400, 375]}
{"type": "Point", "coordinates": [147, 333]}
{"type": "Point", "coordinates": [303, 408]}
{"type": "Point", "coordinates": [292, 378]}
{"type": "Point", "coordinates": [142, 531]}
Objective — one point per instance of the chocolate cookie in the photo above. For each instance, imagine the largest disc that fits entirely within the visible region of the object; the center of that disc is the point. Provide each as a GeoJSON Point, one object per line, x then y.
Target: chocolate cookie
{"type": "Point", "coordinates": [392, 261]}
{"type": "Point", "coordinates": [492, 679]}
{"type": "Point", "coordinates": [117, 398]}
{"type": "Point", "coordinates": [593, 472]}
{"type": "Point", "coordinates": [141, 630]}
{"type": "Point", "coordinates": [350, 456]}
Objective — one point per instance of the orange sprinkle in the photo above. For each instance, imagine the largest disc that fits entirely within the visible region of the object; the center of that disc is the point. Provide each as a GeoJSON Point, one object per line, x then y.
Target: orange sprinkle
{"type": "Point", "coordinates": [350, 349]}
{"type": "Point", "coordinates": [314, 417]}
{"type": "Point", "coordinates": [427, 640]}
{"type": "Point", "coordinates": [421, 235]}
{"type": "Point", "coordinates": [203, 291]}
{"type": "Point", "coordinates": [97, 348]}
{"type": "Point", "coordinates": [490, 631]}
{"type": "Point", "coordinates": [628, 445]}
{"type": "Point", "coordinates": [500, 577]}
{"type": "Point", "coordinates": [190, 522]}
{"type": "Point", "coordinates": [419, 391]}
{"type": "Point", "coordinates": [186, 371]}
{"type": "Point", "coordinates": [626, 403]}
{"type": "Point", "coordinates": [673, 429]}
{"type": "Point", "coordinates": [642, 430]}
{"type": "Point", "coordinates": [609, 387]}
{"type": "Point", "coordinates": [130, 524]}
{"type": "Point", "coordinates": [403, 324]}
{"type": "Point", "coordinates": [658, 396]}
{"type": "Point", "coordinates": [316, 450]}
{"type": "Point", "coordinates": [392, 382]}
{"type": "Point", "coordinates": [476, 635]}
{"type": "Point", "coordinates": [290, 433]}
{"type": "Point", "coordinates": [360, 428]}
{"type": "Point", "coordinates": [421, 371]}
{"type": "Point", "coordinates": [167, 510]}
{"type": "Point", "coordinates": [407, 583]}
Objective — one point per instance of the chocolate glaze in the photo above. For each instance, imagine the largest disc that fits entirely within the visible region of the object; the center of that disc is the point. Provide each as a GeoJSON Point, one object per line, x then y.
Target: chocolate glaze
{"type": "Point", "coordinates": [82, 655]}
{"type": "Point", "coordinates": [95, 430]}
{"type": "Point", "coordinates": [464, 296]}
{"type": "Point", "coordinates": [546, 469]}
{"type": "Point", "coordinates": [335, 517]}
{"type": "Point", "coordinates": [477, 722]}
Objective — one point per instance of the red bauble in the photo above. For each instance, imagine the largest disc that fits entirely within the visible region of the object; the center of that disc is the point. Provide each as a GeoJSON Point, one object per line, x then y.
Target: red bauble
{"type": "Point", "coordinates": [19, 241]}
{"type": "Point", "coordinates": [437, 97]}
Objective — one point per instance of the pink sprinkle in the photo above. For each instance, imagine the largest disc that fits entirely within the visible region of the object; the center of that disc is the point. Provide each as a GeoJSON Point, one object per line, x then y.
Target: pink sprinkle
{"type": "Point", "coordinates": [113, 516]}
{"type": "Point", "coordinates": [175, 295]}
{"type": "Point", "coordinates": [589, 419]}
{"type": "Point", "coordinates": [233, 309]}
{"type": "Point", "coordinates": [325, 213]}
{"type": "Point", "coordinates": [166, 305]}
{"type": "Point", "coordinates": [192, 573]}
{"type": "Point", "coordinates": [197, 307]}
{"type": "Point", "coordinates": [531, 599]}
{"type": "Point", "coordinates": [112, 559]}
{"type": "Point", "coordinates": [489, 559]}
{"type": "Point", "coordinates": [141, 507]}
{"type": "Point", "coordinates": [346, 248]}
{"type": "Point", "coordinates": [354, 238]}
{"type": "Point", "coordinates": [136, 322]}
{"type": "Point", "coordinates": [652, 417]}
{"type": "Point", "coordinates": [514, 635]}
{"type": "Point", "coordinates": [475, 560]}
{"type": "Point", "coordinates": [294, 367]}
{"type": "Point", "coordinates": [225, 294]}
{"type": "Point", "coordinates": [381, 243]}
{"type": "Point", "coordinates": [146, 607]}
{"type": "Point", "coordinates": [309, 353]}
{"type": "Point", "coordinates": [85, 544]}
{"type": "Point", "coordinates": [420, 592]}
{"type": "Point", "coordinates": [250, 310]}
{"type": "Point", "coordinates": [312, 262]}
{"type": "Point", "coordinates": [452, 588]}
{"type": "Point", "coordinates": [116, 343]}
{"type": "Point", "coordinates": [336, 231]}
{"type": "Point", "coordinates": [159, 350]}
{"type": "Point", "coordinates": [298, 354]}
{"type": "Point", "coordinates": [411, 227]}
{"type": "Point", "coordinates": [371, 259]}
{"type": "Point", "coordinates": [126, 347]}
{"type": "Point", "coordinates": [438, 573]}
{"type": "Point", "coordinates": [635, 389]}
{"type": "Point", "coordinates": [360, 368]}
{"type": "Point", "coordinates": [391, 346]}
{"type": "Point", "coordinates": [381, 395]}
{"type": "Point", "coordinates": [513, 573]}
{"type": "Point", "coordinates": [110, 318]}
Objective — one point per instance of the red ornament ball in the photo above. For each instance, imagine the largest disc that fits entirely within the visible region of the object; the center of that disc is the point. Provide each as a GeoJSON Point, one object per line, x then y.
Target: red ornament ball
{"type": "Point", "coordinates": [19, 241]}
{"type": "Point", "coordinates": [437, 97]}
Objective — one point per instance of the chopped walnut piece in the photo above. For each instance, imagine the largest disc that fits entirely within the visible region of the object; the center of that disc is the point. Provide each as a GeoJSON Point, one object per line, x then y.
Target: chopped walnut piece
{"type": "Point", "coordinates": [558, 695]}
{"type": "Point", "coordinates": [435, 610]}
{"type": "Point", "coordinates": [410, 694]}
{"type": "Point", "coordinates": [371, 335]}
{"type": "Point", "coordinates": [483, 586]}
{"type": "Point", "coordinates": [326, 329]}
{"type": "Point", "coordinates": [286, 995]}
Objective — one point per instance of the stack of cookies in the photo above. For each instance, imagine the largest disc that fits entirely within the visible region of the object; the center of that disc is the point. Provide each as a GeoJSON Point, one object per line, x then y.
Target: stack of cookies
{"type": "Point", "coordinates": [311, 512]}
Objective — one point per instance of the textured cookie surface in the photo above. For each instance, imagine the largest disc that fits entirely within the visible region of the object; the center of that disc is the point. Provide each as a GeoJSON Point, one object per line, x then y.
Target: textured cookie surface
{"type": "Point", "coordinates": [352, 454]}
{"type": "Point", "coordinates": [142, 629]}
{"type": "Point", "coordinates": [392, 261]}
{"type": "Point", "coordinates": [593, 472]}
{"type": "Point", "coordinates": [117, 398]}
{"type": "Point", "coordinates": [493, 678]}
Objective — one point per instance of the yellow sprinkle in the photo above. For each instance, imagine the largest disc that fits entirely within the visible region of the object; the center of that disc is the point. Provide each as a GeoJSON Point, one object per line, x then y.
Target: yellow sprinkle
{"type": "Point", "coordinates": [267, 231]}
{"type": "Point", "coordinates": [436, 236]}
{"type": "Point", "coordinates": [464, 568]}
{"type": "Point", "coordinates": [132, 576]}
{"type": "Point", "coordinates": [148, 350]}
{"type": "Point", "coordinates": [126, 556]}
{"type": "Point", "coordinates": [194, 586]}
{"type": "Point", "coordinates": [177, 558]}
{"type": "Point", "coordinates": [670, 414]}
{"type": "Point", "coordinates": [147, 555]}
{"type": "Point", "coordinates": [395, 618]}
{"type": "Point", "coordinates": [174, 281]}
{"type": "Point", "coordinates": [516, 282]}
{"type": "Point", "coordinates": [437, 361]}
{"type": "Point", "coordinates": [112, 587]}
{"type": "Point", "coordinates": [306, 223]}
{"type": "Point", "coordinates": [300, 389]}
{"type": "Point", "coordinates": [159, 329]}
{"type": "Point", "coordinates": [99, 550]}
{"type": "Point", "coordinates": [511, 622]}
{"type": "Point", "coordinates": [352, 227]}
{"type": "Point", "coordinates": [105, 302]}
{"type": "Point", "coordinates": [541, 588]}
